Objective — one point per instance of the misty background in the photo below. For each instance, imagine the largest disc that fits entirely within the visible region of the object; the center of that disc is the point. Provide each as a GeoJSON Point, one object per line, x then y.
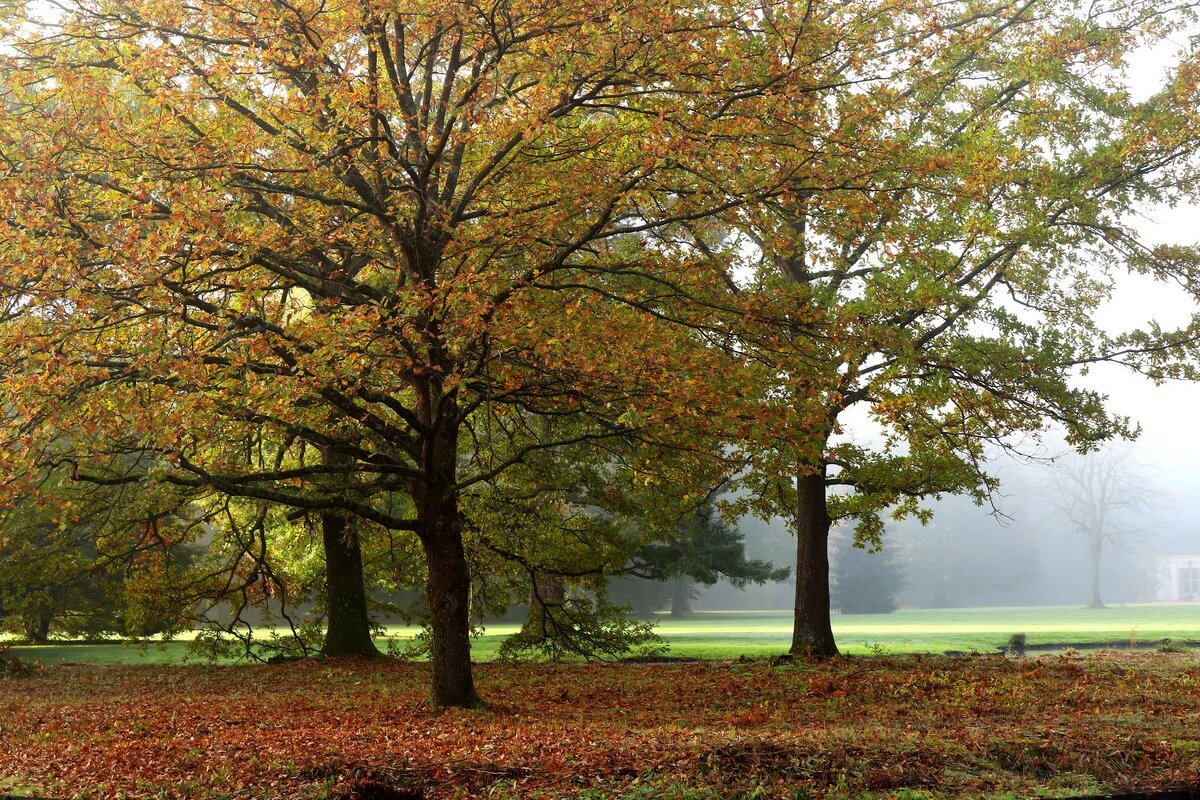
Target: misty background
{"type": "Point", "coordinates": [968, 556]}
{"type": "Point", "coordinates": [1024, 551]}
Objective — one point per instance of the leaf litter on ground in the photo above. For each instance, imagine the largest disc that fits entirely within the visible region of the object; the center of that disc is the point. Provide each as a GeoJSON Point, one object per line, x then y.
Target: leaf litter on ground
{"type": "Point", "coordinates": [940, 726]}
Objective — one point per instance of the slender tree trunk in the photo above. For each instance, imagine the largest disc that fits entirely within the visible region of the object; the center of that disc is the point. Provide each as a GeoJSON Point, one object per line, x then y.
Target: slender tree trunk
{"type": "Point", "coordinates": [348, 632]}
{"type": "Point", "coordinates": [812, 632]}
{"type": "Point", "coordinates": [1094, 549]}
{"type": "Point", "coordinates": [349, 629]}
{"type": "Point", "coordinates": [681, 597]}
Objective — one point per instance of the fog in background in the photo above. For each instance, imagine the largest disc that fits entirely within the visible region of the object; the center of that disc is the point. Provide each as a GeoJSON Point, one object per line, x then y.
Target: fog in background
{"type": "Point", "coordinates": [971, 556]}
{"type": "Point", "coordinates": [1023, 551]}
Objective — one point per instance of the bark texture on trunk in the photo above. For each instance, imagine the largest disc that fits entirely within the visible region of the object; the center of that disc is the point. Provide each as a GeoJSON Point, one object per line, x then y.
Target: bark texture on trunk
{"type": "Point", "coordinates": [435, 496]}
{"type": "Point", "coordinates": [812, 632]}
{"type": "Point", "coordinates": [349, 629]}
{"type": "Point", "coordinates": [1094, 552]}
{"type": "Point", "coordinates": [448, 585]}
{"type": "Point", "coordinates": [348, 632]}
{"type": "Point", "coordinates": [448, 590]}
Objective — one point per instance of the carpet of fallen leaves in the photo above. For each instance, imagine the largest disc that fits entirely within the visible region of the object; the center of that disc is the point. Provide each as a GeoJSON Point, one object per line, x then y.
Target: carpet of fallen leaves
{"type": "Point", "coordinates": [967, 727]}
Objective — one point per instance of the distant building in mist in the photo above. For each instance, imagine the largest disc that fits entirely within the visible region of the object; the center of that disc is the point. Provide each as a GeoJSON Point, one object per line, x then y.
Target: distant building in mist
{"type": "Point", "coordinates": [1178, 578]}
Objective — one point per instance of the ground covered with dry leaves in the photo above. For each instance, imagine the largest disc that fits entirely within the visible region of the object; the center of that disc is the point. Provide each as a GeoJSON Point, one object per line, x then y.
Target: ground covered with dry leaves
{"type": "Point", "coordinates": [887, 727]}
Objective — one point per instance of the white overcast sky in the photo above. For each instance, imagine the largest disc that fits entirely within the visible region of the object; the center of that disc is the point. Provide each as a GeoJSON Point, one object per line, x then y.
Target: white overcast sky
{"type": "Point", "coordinates": [1169, 414]}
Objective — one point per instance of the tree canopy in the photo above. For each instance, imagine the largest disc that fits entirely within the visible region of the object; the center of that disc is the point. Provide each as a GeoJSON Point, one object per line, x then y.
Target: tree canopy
{"type": "Point", "coordinates": [394, 237]}
{"type": "Point", "coordinates": [957, 204]}
{"type": "Point", "coordinates": [371, 261]}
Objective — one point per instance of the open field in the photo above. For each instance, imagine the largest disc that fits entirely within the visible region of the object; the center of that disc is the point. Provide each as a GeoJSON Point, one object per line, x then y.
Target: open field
{"type": "Point", "coordinates": [910, 728]}
{"type": "Point", "coordinates": [737, 633]}
{"type": "Point", "coordinates": [730, 634]}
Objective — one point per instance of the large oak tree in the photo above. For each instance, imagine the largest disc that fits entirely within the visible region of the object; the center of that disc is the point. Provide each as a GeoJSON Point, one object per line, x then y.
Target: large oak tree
{"type": "Point", "coordinates": [387, 235]}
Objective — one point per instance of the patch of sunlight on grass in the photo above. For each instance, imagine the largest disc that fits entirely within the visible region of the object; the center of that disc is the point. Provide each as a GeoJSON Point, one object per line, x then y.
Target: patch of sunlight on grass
{"type": "Point", "coordinates": [729, 634]}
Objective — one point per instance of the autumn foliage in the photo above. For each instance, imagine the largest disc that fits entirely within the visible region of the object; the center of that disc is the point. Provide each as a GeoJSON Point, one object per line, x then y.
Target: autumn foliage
{"type": "Point", "coordinates": [360, 262]}
{"type": "Point", "coordinates": [419, 273]}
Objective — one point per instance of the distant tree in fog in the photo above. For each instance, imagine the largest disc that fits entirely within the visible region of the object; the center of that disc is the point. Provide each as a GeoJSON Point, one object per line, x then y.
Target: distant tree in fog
{"type": "Point", "coordinates": [1105, 497]}
{"type": "Point", "coordinates": [704, 550]}
{"type": "Point", "coordinates": [966, 551]}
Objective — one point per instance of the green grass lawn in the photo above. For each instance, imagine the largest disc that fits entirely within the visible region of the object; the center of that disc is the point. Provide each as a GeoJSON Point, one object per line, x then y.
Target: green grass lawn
{"type": "Point", "coordinates": [729, 634]}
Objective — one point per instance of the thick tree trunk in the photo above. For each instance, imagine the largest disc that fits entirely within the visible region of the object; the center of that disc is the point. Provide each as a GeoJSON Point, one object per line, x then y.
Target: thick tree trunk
{"type": "Point", "coordinates": [448, 587]}
{"type": "Point", "coordinates": [1094, 573]}
{"type": "Point", "coordinates": [349, 630]}
{"type": "Point", "coordinates": [439, 527]}
{"type": "Point", "coordinates": [681, 597]}
{"type": "Point", "coordinates": [812, 632]}
{"type": "Point", "coordinates": [449, 590]}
